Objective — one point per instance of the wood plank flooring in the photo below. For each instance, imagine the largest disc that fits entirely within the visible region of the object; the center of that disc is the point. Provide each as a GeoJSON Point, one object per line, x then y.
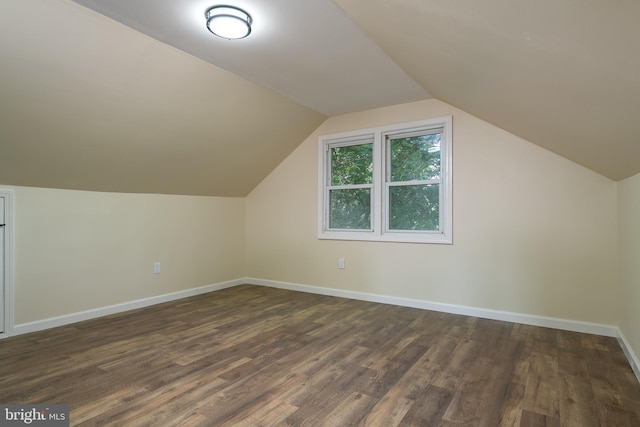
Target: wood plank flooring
{"type": "Point", "coordinates": [255, 356]}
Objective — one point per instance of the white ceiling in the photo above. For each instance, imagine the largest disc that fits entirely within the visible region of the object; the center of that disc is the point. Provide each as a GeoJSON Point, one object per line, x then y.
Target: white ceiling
{"type": "Point", "coordinates": [95, 95]}
{"type": "Point", "coordinates": [309, 50]}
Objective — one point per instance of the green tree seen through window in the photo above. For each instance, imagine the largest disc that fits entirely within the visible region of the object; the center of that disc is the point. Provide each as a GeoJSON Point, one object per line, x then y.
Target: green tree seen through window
{"type": "Point", "coordinates": [350, 208]}
{"type": "Point", "coordinates": [414, 177]}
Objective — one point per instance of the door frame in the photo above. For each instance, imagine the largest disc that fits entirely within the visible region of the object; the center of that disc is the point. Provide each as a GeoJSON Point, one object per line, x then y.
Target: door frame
{"type": "Point", "coordinates": [8, 261]}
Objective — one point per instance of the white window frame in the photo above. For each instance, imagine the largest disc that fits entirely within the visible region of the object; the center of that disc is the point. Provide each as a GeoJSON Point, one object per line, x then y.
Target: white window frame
{"type": "Point", "coordinates": [345, 142]}
{"type": "Point", "coordinates": [380, 229]}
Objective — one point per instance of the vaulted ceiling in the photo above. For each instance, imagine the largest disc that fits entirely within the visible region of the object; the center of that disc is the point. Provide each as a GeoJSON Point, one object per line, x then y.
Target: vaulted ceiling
{"type": "Point", "coordinates": [563, 74]}
{"type": "Point", "coordinates": [137, 96]}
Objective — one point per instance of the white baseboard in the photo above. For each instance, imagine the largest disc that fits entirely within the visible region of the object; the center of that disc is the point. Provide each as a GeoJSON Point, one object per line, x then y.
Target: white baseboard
{"type": "Point", "coordinates": [67, 319]}
{"type": "Point", "coordinates": [549, 322]}
{"type": "Point", "coordinates": [632, 357]}
{"type": "Point", "coordinates": [527, 319]}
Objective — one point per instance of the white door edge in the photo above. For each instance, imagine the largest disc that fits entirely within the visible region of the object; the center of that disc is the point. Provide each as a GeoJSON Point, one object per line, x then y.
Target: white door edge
{"type": "Point", "coordinates": [8, 196]}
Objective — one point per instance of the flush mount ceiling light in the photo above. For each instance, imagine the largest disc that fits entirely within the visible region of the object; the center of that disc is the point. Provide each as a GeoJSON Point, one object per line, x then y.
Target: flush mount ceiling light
{"type": "Point", "coordinates": [228, 22]}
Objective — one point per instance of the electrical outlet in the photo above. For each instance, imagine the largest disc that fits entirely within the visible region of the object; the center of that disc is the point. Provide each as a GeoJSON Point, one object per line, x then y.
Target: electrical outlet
{"type": "Point", "coordinates": [156, 267]}
{"type": "Point", "coordinates": [341, 263]}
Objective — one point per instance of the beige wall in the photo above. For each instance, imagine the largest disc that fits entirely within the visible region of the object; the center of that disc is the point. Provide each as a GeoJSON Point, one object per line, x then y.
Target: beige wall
{"type": "Point", "coordinates": [629, 226]}
{"type": "Point", "coordinates": [78, 250]}
{"type": "Point", "coordinates": [533, 232]}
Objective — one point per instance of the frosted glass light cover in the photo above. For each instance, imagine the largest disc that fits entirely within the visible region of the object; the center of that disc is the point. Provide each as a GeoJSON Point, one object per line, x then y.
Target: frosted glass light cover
{"type": "Point", "coordinates": [228, 22]}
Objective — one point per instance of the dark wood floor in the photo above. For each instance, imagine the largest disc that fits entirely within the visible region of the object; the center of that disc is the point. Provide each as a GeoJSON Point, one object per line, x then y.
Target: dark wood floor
{"type": "Point", "coordinates": [255, 356]}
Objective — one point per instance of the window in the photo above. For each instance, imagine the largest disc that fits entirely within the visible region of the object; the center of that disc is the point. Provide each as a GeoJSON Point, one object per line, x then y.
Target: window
{"type": "Point", "coordinates": [390, 183]}
{"type": "Point", "coordinates": [350, 187]}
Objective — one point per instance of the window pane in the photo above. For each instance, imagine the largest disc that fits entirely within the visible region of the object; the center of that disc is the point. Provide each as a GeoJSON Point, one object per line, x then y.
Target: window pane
{"type": "Point", "coordinates": [415, 158]}
{"type": "Point", "coordinates": [352, 164]}
{"type": "Point", "coordinates": [414, 207]}
{"type": "Point", "coordinates": [350, 209]}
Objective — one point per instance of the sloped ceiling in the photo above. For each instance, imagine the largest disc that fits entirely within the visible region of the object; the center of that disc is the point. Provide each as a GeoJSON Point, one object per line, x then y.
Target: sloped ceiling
{"type": "Point", "coordinates": [136, 96]}
{"type": "Point", "coordinates": [564, 74]}
{"type": "Point", "coordinates": [309, 51]}
{"type": "Point", "coordinates": [90, 104]}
